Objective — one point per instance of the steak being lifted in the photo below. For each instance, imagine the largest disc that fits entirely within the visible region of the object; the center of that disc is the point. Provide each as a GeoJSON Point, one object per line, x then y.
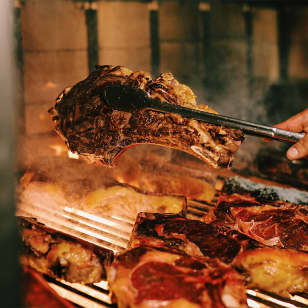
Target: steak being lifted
{"type": "Point", "coordinates": [91, 127]}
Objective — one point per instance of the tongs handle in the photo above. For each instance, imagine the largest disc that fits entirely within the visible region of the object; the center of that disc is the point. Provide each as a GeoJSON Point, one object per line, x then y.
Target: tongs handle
{"type": "Point", "coordinates": [248, 128]}
{"type": "Point", "coordinates": [132, 99]}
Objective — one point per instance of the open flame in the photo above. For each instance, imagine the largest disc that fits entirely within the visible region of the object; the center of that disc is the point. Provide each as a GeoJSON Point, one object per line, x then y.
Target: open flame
{"type": "Point", "coordinates": [62, 150]}
{"type": "Point", "coordinates": [72, 155]}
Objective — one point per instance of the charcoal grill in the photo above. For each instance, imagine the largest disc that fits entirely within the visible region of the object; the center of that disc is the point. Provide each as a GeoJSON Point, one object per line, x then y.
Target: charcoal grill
{"type": "Point", "coordinates": [113, 232]}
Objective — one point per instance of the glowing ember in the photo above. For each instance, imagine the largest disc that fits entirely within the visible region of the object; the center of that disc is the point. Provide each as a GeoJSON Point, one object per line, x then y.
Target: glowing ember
{"type": "Point", "coordinates": [72, 155]}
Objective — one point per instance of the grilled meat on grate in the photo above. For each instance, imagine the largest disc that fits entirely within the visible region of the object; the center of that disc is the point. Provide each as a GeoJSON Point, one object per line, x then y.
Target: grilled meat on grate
{"type": "Point", "coordinates": [150, 277]}
{"type": "Point", "coordinates": [61, 256]}
{"type": "Point", "coordinates": [281, 271]}
{"type": "Point", "coordinates": [275, 223]}
{"type": "Point", "coordinates": [196, 238]}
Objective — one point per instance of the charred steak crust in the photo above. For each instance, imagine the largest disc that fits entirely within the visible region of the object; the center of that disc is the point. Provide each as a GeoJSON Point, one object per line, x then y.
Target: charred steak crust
{"type": "Point", "coordinates": [193, 237]}
{"type": "Point", "coordinates": [60, 256]}
{"type": "Point", "coordinates": [96, 131]}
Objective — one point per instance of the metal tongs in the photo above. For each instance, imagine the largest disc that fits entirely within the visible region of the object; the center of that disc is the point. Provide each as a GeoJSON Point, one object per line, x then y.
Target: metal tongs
{"type": "Point", "coordinates": [131, 99]}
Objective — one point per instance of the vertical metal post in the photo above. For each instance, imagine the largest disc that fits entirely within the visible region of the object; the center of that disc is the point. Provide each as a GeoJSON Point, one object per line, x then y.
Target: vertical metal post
{"type": "Point", "coordinates": [19, 60]}
{"type": "Point", "coordinates": [205, 12]}
{"type": "Point", "coordinates": [154, 37]}
{"type": "Point", "coordinates": [10, 272]}
{"type": "Point", "coordinates": [248, 17]}
{"type": "Point", "coordinates": [283, 42]}
{"type": "Point", "coordinates": [91, 21]}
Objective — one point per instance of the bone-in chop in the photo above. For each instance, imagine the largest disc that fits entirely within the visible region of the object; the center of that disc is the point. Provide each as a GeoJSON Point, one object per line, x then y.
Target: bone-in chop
{"type": "Point", "coordinates": [115, 108]}
{"type": "Point", "coordinates": [95, 124]}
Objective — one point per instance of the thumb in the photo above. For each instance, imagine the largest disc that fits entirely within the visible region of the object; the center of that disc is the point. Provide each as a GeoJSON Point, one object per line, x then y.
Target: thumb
{"type": "Point", "coordinates": [299, 150]}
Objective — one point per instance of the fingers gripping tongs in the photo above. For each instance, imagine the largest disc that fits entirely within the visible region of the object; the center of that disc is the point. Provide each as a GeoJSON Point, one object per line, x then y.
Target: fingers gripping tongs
{"type": "Point", "coordinates": [131, 99]}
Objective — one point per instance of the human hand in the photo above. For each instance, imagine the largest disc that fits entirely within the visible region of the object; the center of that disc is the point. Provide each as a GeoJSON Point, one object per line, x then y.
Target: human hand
{"type": "Point", "coordinates": [297, 123]}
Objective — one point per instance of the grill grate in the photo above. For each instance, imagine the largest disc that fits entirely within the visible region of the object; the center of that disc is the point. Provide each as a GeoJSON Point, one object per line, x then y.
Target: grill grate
{"type": "Point", "coordinates": [113, 232]}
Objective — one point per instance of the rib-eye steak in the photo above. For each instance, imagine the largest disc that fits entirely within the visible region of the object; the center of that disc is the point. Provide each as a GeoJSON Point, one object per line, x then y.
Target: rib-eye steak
{"type": "Point", "coordinates": [281, 271]}
{"type": "Point", "coordinates": [61, 256]}
{"type": "Point", "coordinates": [86, 119]}
{"type": "Point", "coordinates": [273, 223]}
{"type": "Point", "coordinates": [193, 237]}
{"type": "Point", "coordinates": [149, 277]}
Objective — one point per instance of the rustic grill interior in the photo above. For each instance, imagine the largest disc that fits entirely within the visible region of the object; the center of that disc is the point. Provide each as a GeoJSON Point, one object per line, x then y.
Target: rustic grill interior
{"type": "Point", "coordinates": [245, 59]}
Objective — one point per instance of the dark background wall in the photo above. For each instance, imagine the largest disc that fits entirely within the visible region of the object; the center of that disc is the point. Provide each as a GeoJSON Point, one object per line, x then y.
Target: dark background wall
{"type": "Point", "coordinates": [247, 59]}
{"type": "Point", "coordinates": [231, 54]}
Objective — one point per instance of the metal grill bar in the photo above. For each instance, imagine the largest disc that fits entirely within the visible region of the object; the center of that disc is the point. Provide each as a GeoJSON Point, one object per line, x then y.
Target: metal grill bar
{"type": "Point", "coordinates": [274, 300]}
{"type": "Point", "coordinates": [79, 297]}
{"type": "Point", "coordinates": [97, 295]}
{"type": "Point", "coordinates": [78, 224]}
{"type": "Point", "coordinates": [302, 298]}
{"type": "Point", "coordinates": [95, 292]}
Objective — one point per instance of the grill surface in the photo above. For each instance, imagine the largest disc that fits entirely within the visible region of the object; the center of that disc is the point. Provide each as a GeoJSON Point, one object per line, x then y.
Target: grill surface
{"type": "Point", "coordinates": [113, 232]}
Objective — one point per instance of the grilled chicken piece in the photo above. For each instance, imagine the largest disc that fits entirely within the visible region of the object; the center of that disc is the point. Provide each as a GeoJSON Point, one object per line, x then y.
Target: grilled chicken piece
{"type": "Point", "coordinates": [115, 200]}
{"type": "Point", "coordinates": [123, 200]}
{"type": "Point", "coordinates": [154, 180]}
{"type": "Point", "coordinates": [280, 271]}
{"type": "Point", "coordinates": [61, 256]}
{"type": "Point", "coordinates": [148, 277]}
{"type": "Point", "coordinates": [85, 119]}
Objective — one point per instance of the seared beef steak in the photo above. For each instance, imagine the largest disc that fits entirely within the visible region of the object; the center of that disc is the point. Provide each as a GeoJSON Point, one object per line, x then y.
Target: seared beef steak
{"type": "Point", "coordinates": [272, 223]}
{"type": "Point", "coordinates": [91, 127]}
{"type": "Point", "coordinates": [148, 277]}
{"type": "Point", "coordinates": [193, 237]}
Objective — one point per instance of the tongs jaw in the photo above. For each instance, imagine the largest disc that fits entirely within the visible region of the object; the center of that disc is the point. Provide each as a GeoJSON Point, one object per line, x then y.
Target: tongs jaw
{"type": "Point", "coordinates": [125, 98]}
{"type": "Point", "coordinates": [130, 99]}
